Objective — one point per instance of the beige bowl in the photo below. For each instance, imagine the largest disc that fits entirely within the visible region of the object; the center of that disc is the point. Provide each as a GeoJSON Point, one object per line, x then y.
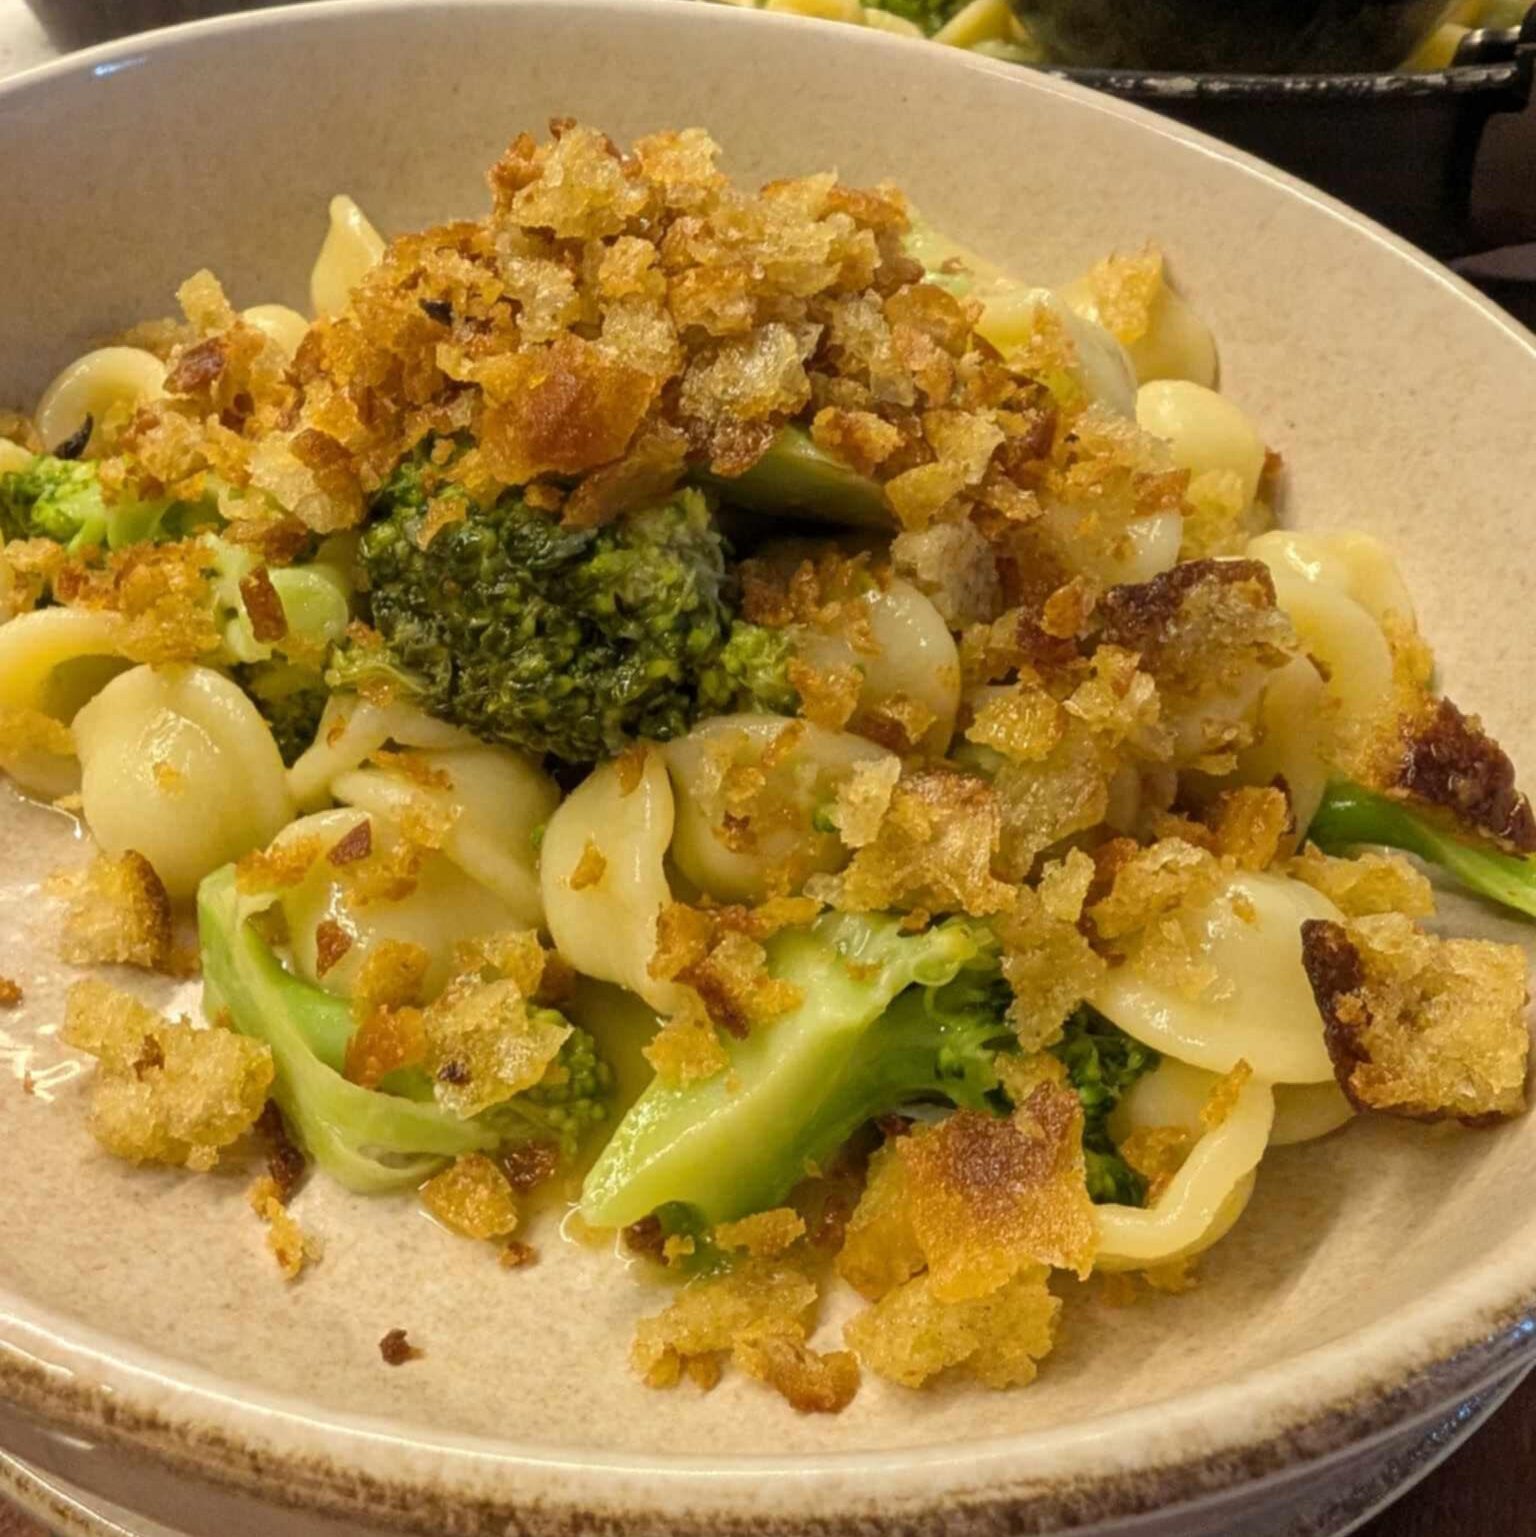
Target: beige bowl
{"type": "Point", "coordinates": [1378, 1278]}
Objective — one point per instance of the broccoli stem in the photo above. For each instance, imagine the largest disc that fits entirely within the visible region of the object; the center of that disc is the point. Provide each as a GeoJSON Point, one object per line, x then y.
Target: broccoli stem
{"type": "Point", "coordinates": [795, 477]}
{"type": "Point", "coordinates": [796, 1088]}
{"type": "Point", "coordinates": [1351, 815]}
{"type": "Point", "coordinates": [371, 1142]}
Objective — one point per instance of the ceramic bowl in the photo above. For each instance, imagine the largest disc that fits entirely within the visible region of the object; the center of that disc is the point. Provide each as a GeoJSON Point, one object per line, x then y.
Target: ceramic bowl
{"type": "Point", "coordinates": [149, 1353]}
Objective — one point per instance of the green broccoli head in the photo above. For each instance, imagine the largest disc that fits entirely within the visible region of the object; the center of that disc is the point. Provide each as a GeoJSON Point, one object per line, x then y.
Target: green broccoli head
{"type": "Point", "coordinates": [888, 1023]}
{"type": "Point", "coordinates": [371, 1140]}
{"type": "Point", "coordinates": [61, 499]}
{"type": "Point", "coordinates": [575, 1096]}
{"type": "Point", "coordinates": [1102, 1062]}
{"type": "Point", "coordinates": [557, 640]}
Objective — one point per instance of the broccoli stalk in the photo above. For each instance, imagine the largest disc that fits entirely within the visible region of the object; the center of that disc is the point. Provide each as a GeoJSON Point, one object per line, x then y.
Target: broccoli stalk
{"type": "Point", "coordinates": [370, 1140]}
{"type": "Point", "coordinates": [1102, 1062]}
{"type": "Point", "coordinates": [568, 641]}
{"type": "Point", "coordinates": [61, 500]}
{"type": "Point", "coordinates": [797, 1088]}
{"type": "Point", "coordinates": [1351, 815]}
{"type": "Point", "coordinates": [796, 478]}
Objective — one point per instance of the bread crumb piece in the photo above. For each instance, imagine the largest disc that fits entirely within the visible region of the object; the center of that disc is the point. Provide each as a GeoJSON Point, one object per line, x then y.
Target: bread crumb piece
{"type": "Point", "coordinates": [292, 1249]}
{"type": "Point", "coordinates": [10, 993]}
{"type": "Point", "coordinates": [397, 1349]}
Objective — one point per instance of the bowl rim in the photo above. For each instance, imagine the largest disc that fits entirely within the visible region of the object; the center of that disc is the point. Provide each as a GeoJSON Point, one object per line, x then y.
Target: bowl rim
{"type": "Point", "coordinates": [1276, 1422]}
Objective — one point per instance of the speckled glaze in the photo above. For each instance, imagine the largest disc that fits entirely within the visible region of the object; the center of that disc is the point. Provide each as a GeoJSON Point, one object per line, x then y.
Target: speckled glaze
{"type": "Point", "coordinates": [1378, 1279]}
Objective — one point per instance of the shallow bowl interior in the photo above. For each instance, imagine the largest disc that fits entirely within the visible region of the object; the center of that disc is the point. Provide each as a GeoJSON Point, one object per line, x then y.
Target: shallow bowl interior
{"type": "Point", "coordinates": [1402, 405]}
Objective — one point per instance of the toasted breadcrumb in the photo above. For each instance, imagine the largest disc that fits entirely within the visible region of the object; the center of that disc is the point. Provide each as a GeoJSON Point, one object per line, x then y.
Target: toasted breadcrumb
{"type": "Point", "coordinates": [473, 1197]}
{"type": "Point", "coordinates": [116, 913]}
{"type": "Point", "coordinates": [911, 1334]}
{"type": "Point", "coordinates": [687, 1048]}
{"type": "Point", "coordinates": [396, 1349]}
{"type": "Point", "coordinates": [757, 1313]}
{"type": "Point", "coordinates": [880, 1248]}
{"type": "Point", "coordinates": [934, 850]}
{"type": "Point", "coordinates": [163, 1091]}
{"type": "Point", "coordinates": [765, 1234]}
{"type": "Point", "coordinates": [1365, 884]}
{"type": "Point", "coordinates": [1420, 1026]}
{"type": "Point", "coordinates": [291, 1248]}
{"type": "Point", "coordinates": [989, 1196]}
{"type": "Point", "coordinates": [486, 1043]}
{"type": "Point", "coordinates": [10, 993]}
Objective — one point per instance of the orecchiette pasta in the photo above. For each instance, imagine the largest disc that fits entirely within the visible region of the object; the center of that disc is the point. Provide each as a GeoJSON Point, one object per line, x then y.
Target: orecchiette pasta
{"type": "Point", "coordinates": [352, 245]}
{"type": "Point", "coordinates": [1177, 343]}
{"type": "Point", "coordinates": [1292, 734]}
{"type": "Point", "coordinates": [783, 833]}
{"type": "Point", "coordinates": [1352, 563]}
{"type": "Point", "coordinates": [1203, 1199]}
{"type": "Point", "coordinates": [351, 731]}
{"type": "Point", "coordinates": [914, 658]}
{"type": "Point", "coordinates": [603, 877]}
{"type": "Point", "coordinates": [1011, 317]}
{"type": "Point", "coordinates": [1333, 624]}
{"type": "Point", "coordinates": [1175, 1093]}
{"type": "Point", "coordinates": [443, 908]}
{"type": "Point", "coordinates": [1258, 1009]}
{"type": "Point", "coordinates": [51, 662]}
{"type": "Point", "coordinates": [280, 324]}
{"type": "Point", "coordinates": [1145, 547]}
{"type": "Point", "coordinates": [108, 381]}
{"type": "Point", "coordinates": [177, 765]}
{"type": "Point", "coordinates": [489, 801]}
{"type": "Point", "coordinates": [1205, 431]}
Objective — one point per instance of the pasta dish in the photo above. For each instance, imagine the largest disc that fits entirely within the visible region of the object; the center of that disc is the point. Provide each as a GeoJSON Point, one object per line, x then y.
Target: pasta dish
{"type": "Point", "coordinates": [724, 722]}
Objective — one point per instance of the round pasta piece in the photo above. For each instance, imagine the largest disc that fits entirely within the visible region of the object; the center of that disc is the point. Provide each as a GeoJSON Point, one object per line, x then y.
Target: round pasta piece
{"type": "Point", "coordinates": [1177, 343]}
{"type": "Point", "coordinates": [487, 803]}
{"type": "Point", "coordinates": [1334, 628]}
{"type": "Point", "coordinates": [177, 765]}
{"type": "Point", "coordinates": [1011, 316]}
{"type": "Point", "coordinates": [1175, 1093]}
{"type": "Point", "coordinates": [1258, 1008]}
{"type": "Point", "coordinates": [602, 873]}
{"type": "Point", "coordinates": [914, 663]}
{"type": "Point", "coordinates": [1355, 564]}
{"type": "Point", "coordinates": [351, 730]}
{"type": "Point", "coordinates": [51, 661]}
{"type": "Point", "coordinates": [1306, 1111]}
{"type": "Point", "coordinates": [1146, 547]}
{"type": "Point", "coordinates": [1202, 1200]}
{"type": "Point", "coordinates": [287, 327]}
{"type": "Point", "coordinates": [331, 938]}
{"type": "Point", "coordinates": [109, 382]}
{"type": "Point", "coordinates": [352, 247]}
{"type": "Point", "coordinates": [784, 802]}
{"type": "Point", "coordinates": [1204, 431]}
{"type": "Point", "coordinates": [1292, 735]}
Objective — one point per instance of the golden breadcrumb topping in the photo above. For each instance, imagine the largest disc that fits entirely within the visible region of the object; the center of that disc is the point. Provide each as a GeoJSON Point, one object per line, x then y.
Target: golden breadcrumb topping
{"type": "Point", "coordinates": [116, 912]}
{"type": "Point", "coordinates": [999, 1339]}
{"type": "Point", "coordinates": [164, 1092]}
{"type": "Point", "coordinates": [1417, 1025]}
{"type": "Point", "coordinates": [290, 1246]}
{"type": "Point", "coordinates": [473, 1197]}
{"type": "Point", "coordinates": [764, 1234]}
{"type": "Point", "coordinates": [1365, 884]}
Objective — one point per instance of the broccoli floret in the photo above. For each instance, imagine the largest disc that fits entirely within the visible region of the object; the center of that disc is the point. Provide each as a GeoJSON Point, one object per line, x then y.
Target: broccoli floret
{"type": "Point", "coordinates": [887, 1020]}
{"type": "Point", "coordinates": [368, 1139]}
{"type": "Point", "coordinates": [61, 499]}
{"type": "Point", "coordinates": [1102, 1062]}
{"type": "Point", "coordinates": [291, 700]}
{"type": "Point", "coordinates": [1351, 815]}
{"type": "Point", "coordinates": [556, 640]}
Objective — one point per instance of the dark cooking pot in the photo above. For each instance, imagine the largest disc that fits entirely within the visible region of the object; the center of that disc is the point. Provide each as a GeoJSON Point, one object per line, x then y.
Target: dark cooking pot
{"type": "Point", "coordinates": [1400, 147]}
{"type": "Point", "coordinates": [1256, 36]}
